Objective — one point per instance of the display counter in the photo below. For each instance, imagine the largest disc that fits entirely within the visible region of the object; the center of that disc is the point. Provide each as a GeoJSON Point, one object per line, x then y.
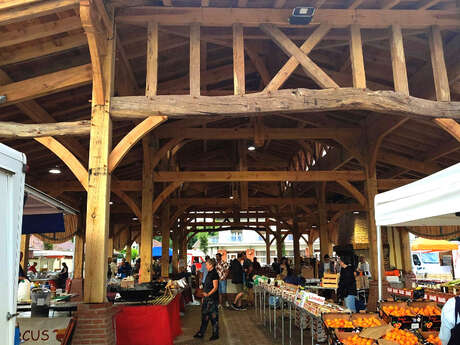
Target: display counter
{"type": "Point", "coordinates": [148, 324]}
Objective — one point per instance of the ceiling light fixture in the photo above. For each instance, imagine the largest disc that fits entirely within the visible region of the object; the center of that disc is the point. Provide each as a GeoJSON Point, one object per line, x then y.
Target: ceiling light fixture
{"type": "Point", "coordinates": [135, 218]}
{"type": "Point", "coordinates": [355, 212]}
{"type": "Point", "coordinates": [251, 148]}
{"type": "Point", "coordinates": [110, 202]}
{"type": "Point", "coordinates": [230, 197]}
{"type": "Point", "coordinates": [54, 171]}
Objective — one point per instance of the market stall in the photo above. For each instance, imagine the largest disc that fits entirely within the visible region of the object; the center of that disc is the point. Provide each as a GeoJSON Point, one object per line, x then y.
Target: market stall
{"type": "Point", "coordinates": [431, 201]}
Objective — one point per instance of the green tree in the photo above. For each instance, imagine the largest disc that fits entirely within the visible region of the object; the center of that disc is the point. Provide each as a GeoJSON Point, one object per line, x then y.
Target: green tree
{"type": "Point", "coordinates": [47, 246]}
{"type": "Point", "coordinates": [203, 237]}
{"type": "Point", "coordinates": [134, 253]}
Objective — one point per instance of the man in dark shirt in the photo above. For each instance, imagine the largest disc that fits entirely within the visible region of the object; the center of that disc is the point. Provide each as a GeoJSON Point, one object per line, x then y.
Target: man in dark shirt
{"type": "Point", "coordinates": [276, 266]}
{"type": "Point", "coordinates": [347, 283]}
{"type": "Point", "coordinates": [209, 308]}
{"type": "Point", "coordinates": [22, 275]}
{"type": "Point", "coordinates": [237, 274]}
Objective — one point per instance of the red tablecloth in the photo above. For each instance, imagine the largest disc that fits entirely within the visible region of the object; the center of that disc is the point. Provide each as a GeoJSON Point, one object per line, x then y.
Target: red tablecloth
{"type": "Point", "coordinates": [148, 325]}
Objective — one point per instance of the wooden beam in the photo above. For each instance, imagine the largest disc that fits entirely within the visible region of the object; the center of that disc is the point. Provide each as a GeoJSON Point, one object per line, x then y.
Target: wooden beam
{"type": "Point", "coordinates": [310, 68]}
{"type": "Point", "coordinates": [195, 59]}
{"type": "Point", "coordinates": [289, 67]}
{"type": "Point", "coordinates": [248, 133]}
{"type": "Point", "coordinates": [427, 168]}
{"type": "Point", "coordinates": [33, 9]}
{"type": "Point", "coordinates": [130, 139]}
{"type": "Point", "coordinates": [389, 4]}
{"type": "Point", "coordinates": [46, 84]}
{"type": "Point", "coordinates": [34, 50]}
{"type": "Point", "coordinates": [242, 154]}
{"type": "Point", "coordinates": [12, 130]}
{"type": "Point", "coordinates": [386, 184]}
{"type": "Point", "coordinates": [279, 4]}
{"type": "Point", "coordinates": [450, 126]}
{"type": "Point", "coordinates": [438, 63]}
{"type": "Point", "coordinates": [165, 194]}
{"type": "Point", "coordinates": [353, 5]}
{"type": "Point", "coordinates": [353, 191]}
{"type": "Point", "coordinates": [205, 3]}
{"type": "Point", "coordinates": [239, 74]}
{"type": "Point", "coordinates": [426, 4]}
{"type": "Point", "coordinates": [257, 176]}
{"type": "Point", "coordinates": [67, 157]}
{"type": "Point", "coordinates": [37, 31]}
{"type": "Point", "coordinates": [96, 44]}
{"type": "Point", "coordinates": [242, 3]}
{"type": "Point", "coordinates": [283, 101]}
{"type": "Point", "coordinates": [145, 274]}
{"type": "Point", "coordinates": [341, 18]}
{"type": "Point", "coordinates": [398, 61]}
{"type": "Point", "coordinates": [356, 57]}
{"type": "Point", "coordinates": [97, 217]}
{"type": "Point", "coordinates": [151, 84]}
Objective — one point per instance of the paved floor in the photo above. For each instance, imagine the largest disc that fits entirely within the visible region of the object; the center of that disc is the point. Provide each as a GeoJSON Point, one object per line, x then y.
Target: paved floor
{"type": "Point", "coordinates": [236, 328]}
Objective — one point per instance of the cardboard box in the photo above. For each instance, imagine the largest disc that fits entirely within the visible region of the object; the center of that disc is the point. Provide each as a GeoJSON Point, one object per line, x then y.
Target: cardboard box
{"type": "Point", "coordinates": [401, 322]}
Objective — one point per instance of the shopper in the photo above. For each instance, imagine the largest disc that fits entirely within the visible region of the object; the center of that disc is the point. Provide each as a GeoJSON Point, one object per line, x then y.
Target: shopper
{"type": "Point", "coordinates": [276, 266]}
{"type": "Point", "coordinates": [33, 268]}
{"type": "Point", "coordinates": [125, 269]}
{"type": "Point", "coordinates": [236, 274]}
{"type": "Point", "coordinates": [22, 275]}
{"type": "Point", "coordinates": [204, 270]}
{"type": "Point", "coordinates": [450, 322]}
{"type": "Point", "coordinates": [222, 270]}
{"type": "Point", "coordinates": [326, 266]}
{"type": "Point", "coordinates": [63, 275]}
{"type": "Point", "coordinates": [347, 283]}
{"type": "Point", "coordinates": [113, 267]}
{"type": "Point", "coordinates": [363, 266]}
{"type": "Point", "coordinates": [256, 265]}
{"type": "Point", "coordinates": [209, 308]}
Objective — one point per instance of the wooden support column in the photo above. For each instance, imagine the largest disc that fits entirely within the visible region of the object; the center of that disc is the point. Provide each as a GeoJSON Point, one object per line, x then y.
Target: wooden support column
{"type": "Point", "coordinates": [239, 82]}
{"type": "Point", "coordinates": [397, 247]}
{"type": "Point", "coordinates": [242, 150]}
{"type": "Point", "coordinates": [145, 274]}
{"type": "Point", "coordinates": [356, 57]}
{"type": "Point", "coordinates": [405, 250]}
{"type": "Point", "coordinates": [310, 247]}
{"type": "Point", "coordinates": [296, 239]}
{"type": "Point", "coordinates": [390, 238]}
{"type": "Point", "coordinates": [279, 243]}
{"type": "Point", "coordinates": [110, 248]}
{"type": "Point", "coordinates": [100, 144]}
{"type": "Point", "coordinates": [371, 191]}
{"type": "Point", "coordinates": [151, 85]}
{"type": "Point", "coordinates": [267, 248]}
{"type": "Point", "coordinates": [398, 60]}
{"type": "Point", "coordinates": [25, 240]}
{"type": "Point", "coordinates": [79, 254]}
{"type": "Point", "coordinates": [195, 60]}
{"type": "Point", "coordinates": [128, 255]}
{"type": "Point", "coordinates": [175, 249]}
{"type": "Point", "coordinates": [441, 81]}
{"type": "Point", "coordinates": [165, 241]}
{"type": "Point", "coordinates": [324, 244]}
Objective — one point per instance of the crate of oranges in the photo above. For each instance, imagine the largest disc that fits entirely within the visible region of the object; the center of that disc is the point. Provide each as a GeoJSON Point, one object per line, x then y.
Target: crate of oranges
{"type": "Point", "coordinates": [400, 315]}
{"type": "Point", "coordinates": [366, 320]}
{"type": "Point", "coordinates": [339, 321]}
{"type": "Point", "coordinates": [352, 339]}
{"type": "Point", "coordinates": [430, 315]}
{"type": "Point", "coordinates": [402, 337]}
{"type": "Point", "coordinates": [431, 338]}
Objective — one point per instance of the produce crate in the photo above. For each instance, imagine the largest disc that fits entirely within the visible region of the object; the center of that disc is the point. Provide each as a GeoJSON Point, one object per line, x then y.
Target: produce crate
{"type": "Point", "coordinates": [335, 340]}
{"type": "Point", "coordinates": [366, 316]}
{"type": "Point", "coordinates": [331, 331]}
{"type": "Point", "coordinates": [425, 334]}
{"type": "Point", "coordinates": [330, 280]}
{"type": "Point", "coordinates": [402, 322]}
{"type": "Point", "coordinates": [428, 323]}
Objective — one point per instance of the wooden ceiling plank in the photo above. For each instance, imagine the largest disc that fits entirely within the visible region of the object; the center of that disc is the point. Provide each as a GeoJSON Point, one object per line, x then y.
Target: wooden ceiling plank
{"type": "Point", "coordinates": [283, 101]}
{"type": "Point", "coordinates": [46, 84]}
{"type": "Point", "coordinates": [239, 74]}
{"type": "Point", "coordinates": [34, 32]}
{"type": "Point", "coordinates": [33, 9]}
{"type": "Point", "coordinates": [389, 4]}
{"type": "Point", "coordinates": [426, 168]}
{"type": "Point", "coordinates": [37, 50]}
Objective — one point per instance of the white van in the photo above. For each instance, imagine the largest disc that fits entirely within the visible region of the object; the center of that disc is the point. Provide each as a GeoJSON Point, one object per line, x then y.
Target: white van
{"type": "Point", "coordinates": [425, 263]}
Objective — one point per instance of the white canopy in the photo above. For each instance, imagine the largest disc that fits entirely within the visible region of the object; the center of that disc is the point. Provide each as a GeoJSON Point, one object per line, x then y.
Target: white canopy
{"type": "Point", "coordinates": [431, 201]}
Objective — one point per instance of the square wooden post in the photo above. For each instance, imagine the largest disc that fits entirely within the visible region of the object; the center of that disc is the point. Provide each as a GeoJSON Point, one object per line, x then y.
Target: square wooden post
{"type": "Point", "coordinates": [97, 214]}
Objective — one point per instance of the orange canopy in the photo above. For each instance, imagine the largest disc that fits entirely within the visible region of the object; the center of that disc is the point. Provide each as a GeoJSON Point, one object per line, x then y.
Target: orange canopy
{"type": "Point", "coordinates": [433, 245]}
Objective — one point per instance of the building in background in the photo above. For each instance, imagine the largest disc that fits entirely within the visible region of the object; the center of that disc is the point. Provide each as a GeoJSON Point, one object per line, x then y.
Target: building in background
{"type": "Point", "coordinates": [235, 241]}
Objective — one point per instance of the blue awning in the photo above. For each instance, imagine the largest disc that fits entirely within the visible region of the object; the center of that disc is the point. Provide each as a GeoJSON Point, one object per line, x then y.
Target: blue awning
{"type": "Point", "coordinates": [156, 251]}
{"type": "Point", "coordinates": [42, 223]}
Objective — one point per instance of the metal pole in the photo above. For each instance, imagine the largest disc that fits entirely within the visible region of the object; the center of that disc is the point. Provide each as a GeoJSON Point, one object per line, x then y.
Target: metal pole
{"type": "Point", "coordinates": [255, 299]}
{"type": "Point", "coordinates": [379, 260]}
{"type": "Point", "coordinates": [290, 323]}
{"type": "Point", "coordinates": [301, 325]}
{"type": "Point", "coordinates": [282, 321]}
{"type": "Point", "coordinates": [274, 318]}
{"type": "Point", "coordinates": [265, 315]}
{"type": "Point", "coordinates": [269, 314]}
{"type": "Point", "coordinates": [311, 327]}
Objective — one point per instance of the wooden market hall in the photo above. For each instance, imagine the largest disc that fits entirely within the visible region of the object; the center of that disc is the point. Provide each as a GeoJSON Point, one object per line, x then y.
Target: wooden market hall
{"type": "Point", "coordinates": [167, 115]}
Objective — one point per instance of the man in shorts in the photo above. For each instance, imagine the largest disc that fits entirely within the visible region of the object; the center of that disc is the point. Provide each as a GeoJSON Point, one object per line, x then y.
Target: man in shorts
{"type": "Point", "coordinates": [222, 270]}
{"type": "Point", "coordinates": [237, 276]}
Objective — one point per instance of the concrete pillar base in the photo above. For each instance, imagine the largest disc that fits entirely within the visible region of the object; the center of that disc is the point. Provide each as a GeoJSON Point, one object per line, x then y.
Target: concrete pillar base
{"type": "Point", "coordinates": [95, 324]}
{"type": "Point", "coordinates": [77, 288]}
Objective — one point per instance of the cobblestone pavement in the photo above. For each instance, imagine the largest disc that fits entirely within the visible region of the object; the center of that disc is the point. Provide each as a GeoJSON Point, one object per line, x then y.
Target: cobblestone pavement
{"type": "Point", "coordinates": [236, 328]}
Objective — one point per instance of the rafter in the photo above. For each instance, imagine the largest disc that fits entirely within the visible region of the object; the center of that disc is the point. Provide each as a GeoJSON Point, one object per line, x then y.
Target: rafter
{"type": "Point", "coordinates": [12, 130]}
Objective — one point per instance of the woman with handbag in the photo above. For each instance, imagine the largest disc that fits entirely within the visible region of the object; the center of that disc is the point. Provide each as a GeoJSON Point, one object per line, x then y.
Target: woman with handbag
{"type": "Point", "coordinates": [210, 304]}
